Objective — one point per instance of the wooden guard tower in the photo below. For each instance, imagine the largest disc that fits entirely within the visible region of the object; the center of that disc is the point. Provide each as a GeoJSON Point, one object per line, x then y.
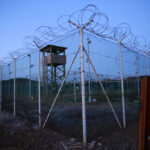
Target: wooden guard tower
{"type": "Point", "coordinates": [53, 63]}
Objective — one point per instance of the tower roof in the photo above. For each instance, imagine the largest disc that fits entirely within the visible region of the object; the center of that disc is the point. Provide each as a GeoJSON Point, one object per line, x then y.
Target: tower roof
{"type": "Point", "coordinates": [53, 49]}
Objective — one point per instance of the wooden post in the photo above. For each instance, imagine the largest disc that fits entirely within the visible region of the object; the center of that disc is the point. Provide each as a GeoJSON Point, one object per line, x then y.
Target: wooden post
{"type": "Point", "coordinates": [144, 122]}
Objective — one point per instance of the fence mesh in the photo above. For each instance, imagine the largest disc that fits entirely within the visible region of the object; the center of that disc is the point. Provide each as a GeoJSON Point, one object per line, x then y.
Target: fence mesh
{"type": "Point", "coordinates": [66, 116]}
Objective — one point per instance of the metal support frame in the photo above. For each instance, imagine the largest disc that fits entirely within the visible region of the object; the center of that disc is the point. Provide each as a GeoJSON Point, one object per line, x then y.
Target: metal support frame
{"type": "Point", "coordinates": [83, 88]}
{"type": "Point", "coordinates": [55, 75]}
{"type": "Point", "coordinates": [0, 88]}
{"type": "Point", "coordinates": [30, 66]}
{"type": "Point", "coordinates": [137, 74]}
{"type": "Point", "coordinates": [82, 50]}
{"type": "Point", "coordinates": [44, 74]}
{"type": "Point", "coordinates": [55, 70]}
{"type": "Point", "coordinates": [122, 86]}
{"type": "Point", "coordinates": [9, 82]}
{"type": "Point", "coordinates": [14, 87]}
{"type": "Point", "coordinates": [39, 84]}
{"type": "Point", "coordinates": [64, 68]}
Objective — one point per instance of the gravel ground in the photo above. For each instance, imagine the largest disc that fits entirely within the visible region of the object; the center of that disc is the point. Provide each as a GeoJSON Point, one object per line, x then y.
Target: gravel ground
{"type": "Point", "coordinates": [64, 129]}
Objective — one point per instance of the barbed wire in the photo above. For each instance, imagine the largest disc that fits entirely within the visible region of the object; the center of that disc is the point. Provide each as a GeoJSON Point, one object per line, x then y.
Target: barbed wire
{"type": "Point", "coordinates": [99, 26]}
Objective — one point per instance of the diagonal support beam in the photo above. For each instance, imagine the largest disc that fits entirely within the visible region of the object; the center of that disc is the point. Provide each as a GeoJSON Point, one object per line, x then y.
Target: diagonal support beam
{"type": "Point", "coordinates": [99, 80]}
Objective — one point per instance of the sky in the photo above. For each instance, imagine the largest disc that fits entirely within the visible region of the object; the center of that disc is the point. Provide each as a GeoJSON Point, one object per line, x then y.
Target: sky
{"type": "Point", "coordinates": [20, 18]}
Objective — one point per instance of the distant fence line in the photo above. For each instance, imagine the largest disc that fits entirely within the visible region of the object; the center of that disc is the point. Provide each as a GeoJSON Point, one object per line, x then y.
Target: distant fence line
{"type": "Point", "coordinates": [104, 54]}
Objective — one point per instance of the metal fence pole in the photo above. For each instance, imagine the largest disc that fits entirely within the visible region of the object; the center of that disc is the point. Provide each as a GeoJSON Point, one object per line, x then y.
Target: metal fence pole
{"type": "Point", "coordinates": [14, 86]}
{"type": "Point", "coordinates": [29, 75]}
{"type": "Point", "coordinates": [122, 86]}
{"type": "Point", "coordinates": [82, 79]}
{"type": "Point", "coordinates": [137, 74]}
{"type": "Point", "coordinates": [0, 88]}
{"type": "Point", "coordinates": [39, 88]}
{"type": "Point", "coordinates": [39, 84]}
{"type": "Point", "coordinates": [9, 83]}
{"type": "Point", "coordinates": [83, 87]}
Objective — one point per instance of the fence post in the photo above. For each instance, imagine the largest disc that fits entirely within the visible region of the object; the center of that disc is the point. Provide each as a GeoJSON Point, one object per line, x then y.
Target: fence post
{"type": "Point", "coordinates": [83, 88]}
{"type": "Point", "coordinates": [122, 87]}
{"type": "Point", "coordinates": [39, 87]}
{"type": "Point", "coordinates": [0, 87]}
{"type": "Point", "coordinates": [144, 121]}
{"type": "Point", "coordinates": [39, 83]}
{"type": "Point", "coordinates": [9, 83]}
{"type": "Point", "coordinates": [137, 74]}
{"type": "Point", "coordinates": [14, 86]}
{"type": "Point", "coordinates": [29, 92]}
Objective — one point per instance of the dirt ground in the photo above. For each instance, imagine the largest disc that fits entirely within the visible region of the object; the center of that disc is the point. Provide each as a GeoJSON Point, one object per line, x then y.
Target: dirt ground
{"type": "Point", "coordinates": [64, 130]}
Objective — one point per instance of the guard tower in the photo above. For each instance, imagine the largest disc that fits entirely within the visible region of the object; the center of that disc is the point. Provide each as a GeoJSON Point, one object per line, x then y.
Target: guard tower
{"type": "Point", "coordinates": [53, 62]}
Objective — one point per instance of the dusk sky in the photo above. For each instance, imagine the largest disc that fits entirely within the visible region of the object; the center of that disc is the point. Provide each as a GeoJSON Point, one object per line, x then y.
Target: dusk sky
{"type": "Point", "coordinates": [20, 18]}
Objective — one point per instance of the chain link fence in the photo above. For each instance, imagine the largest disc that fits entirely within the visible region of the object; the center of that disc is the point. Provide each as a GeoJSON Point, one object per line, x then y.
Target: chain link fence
{"type": "Point", "coordinates": [66, 116]}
